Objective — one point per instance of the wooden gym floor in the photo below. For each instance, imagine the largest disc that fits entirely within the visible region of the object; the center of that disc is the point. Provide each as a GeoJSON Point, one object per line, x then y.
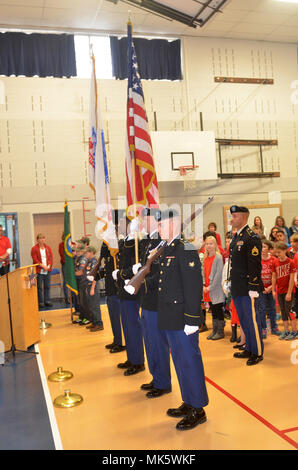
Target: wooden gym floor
{"type": "Point", "coordinates": [249, 407]}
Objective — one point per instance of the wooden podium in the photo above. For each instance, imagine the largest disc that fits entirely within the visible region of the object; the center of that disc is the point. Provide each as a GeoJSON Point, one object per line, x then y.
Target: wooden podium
{"type": "Point", "coordinates": [21, 286]}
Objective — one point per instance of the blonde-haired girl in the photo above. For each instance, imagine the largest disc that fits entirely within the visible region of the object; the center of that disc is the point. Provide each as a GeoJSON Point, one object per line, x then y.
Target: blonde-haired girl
{"type": "Point", "coordinates": [213, 292]}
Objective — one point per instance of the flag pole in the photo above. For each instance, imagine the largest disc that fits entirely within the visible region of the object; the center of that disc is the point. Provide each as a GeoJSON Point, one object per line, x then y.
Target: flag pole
{"type": "Point", "coordinates": [134, 192]}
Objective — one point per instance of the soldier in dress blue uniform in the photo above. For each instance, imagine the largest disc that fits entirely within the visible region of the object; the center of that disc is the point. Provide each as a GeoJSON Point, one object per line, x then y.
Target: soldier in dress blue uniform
{"type": "Point", "coordinates": [246, 282]}
{"type": "Point", "coordinates": [156, 344]}
{"type": "Point", "coordinates": [129, 307]}
{"type": "Point", "coordinates": [179, 317]}
{"type": "Point", "coordinates": [113, 302]}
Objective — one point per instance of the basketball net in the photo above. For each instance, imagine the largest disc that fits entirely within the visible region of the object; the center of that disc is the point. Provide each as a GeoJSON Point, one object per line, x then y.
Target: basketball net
{"type": "Point", "coordinates": [188, 174]}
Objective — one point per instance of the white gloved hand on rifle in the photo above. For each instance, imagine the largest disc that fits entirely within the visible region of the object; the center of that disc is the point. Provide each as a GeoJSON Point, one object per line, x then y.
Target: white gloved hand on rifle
{"type": "Point", "coordinates": [114, 274]}
{"type": "Point", "coordinates": [130, 289]}
{"type": "Point", "coordinates": [136, 267]}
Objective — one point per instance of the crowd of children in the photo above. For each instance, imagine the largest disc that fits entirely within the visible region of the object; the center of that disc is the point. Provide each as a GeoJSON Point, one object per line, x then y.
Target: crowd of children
{"type": "Point", "coordinates": [279, 298]}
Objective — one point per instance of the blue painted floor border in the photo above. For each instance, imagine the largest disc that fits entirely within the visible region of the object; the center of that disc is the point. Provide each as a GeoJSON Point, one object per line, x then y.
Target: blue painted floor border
{"type": "Point", "coordinates": [24, 419]}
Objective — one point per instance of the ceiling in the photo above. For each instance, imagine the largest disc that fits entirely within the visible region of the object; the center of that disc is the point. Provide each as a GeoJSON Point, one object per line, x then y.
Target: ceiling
{"type": "Point", "coordinates": [265, 20]}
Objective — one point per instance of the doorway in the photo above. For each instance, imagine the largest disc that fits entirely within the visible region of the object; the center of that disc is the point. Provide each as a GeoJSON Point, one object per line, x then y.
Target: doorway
{"type": "Point", "coordinates": [52, 226]}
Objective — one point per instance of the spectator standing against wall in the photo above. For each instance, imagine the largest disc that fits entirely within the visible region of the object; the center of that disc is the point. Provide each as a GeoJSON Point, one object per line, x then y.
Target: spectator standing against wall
{"type": "Point", "coordinates": [42, 256]}
{"type": "Point", "coordinates": [5, 251]}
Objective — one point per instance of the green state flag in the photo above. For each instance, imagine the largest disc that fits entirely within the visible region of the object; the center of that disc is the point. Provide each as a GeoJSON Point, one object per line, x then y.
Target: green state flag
{"type": "Point", "coordinates": [70, 278]}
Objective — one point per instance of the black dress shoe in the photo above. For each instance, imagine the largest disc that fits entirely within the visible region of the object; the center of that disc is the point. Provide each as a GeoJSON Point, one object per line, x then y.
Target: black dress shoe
{"type": "Point", "coordinates": [179, 412]}
{"type": "Point", "coordinates": [110, 346]}
{"type": "Point", "coordinates": [134, 369]}
{"type": "Point", "coordinates": [124, 365]}
{"type": "Point", "coordinates": [48, 304]}
{"type": "Point", "coordinates": [254, 359]}
{"type": "Point", "coordinates": [241, 347]}
{"type": "Point", "coordinates": [147, 386]}
{"type": "Point", "coordinates": [117, 348]}
{"type": "Point", "coordinates": [242, 355]}
{"type": "Point", "coordinates": [157, 392]}
{"type": "Point", "coordinates": [194, 417]}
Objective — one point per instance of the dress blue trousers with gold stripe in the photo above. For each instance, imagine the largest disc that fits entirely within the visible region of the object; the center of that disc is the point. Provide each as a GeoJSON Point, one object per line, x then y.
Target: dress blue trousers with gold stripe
{"type": "Point", "coordinates": [250, 322]}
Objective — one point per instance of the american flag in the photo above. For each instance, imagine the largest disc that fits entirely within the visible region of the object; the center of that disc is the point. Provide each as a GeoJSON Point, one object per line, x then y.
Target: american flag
{"type": "Point", "coordinates": [139, 156]}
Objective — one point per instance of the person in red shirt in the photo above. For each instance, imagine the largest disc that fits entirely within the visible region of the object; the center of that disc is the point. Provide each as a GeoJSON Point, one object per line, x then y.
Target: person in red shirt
{"type": "Point", "coordinates": [265, 302]}
{"type": "Point", "coordinates": [283, 279]}
{"type": "Point", "coordinates": [5, 251]}
{"type": "Point", "coordinates": [42, 256]}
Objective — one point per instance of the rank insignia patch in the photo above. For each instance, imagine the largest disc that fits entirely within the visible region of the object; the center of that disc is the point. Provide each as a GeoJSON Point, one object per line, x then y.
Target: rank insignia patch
{"type": "Point", "coordinates": [255, 251]}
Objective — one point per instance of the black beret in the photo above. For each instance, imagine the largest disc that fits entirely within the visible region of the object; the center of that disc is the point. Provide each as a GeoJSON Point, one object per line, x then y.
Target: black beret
{"type": "Point", "coordinates": [166, 214]}
{"type": "Point", "coordinates": [234, 209]}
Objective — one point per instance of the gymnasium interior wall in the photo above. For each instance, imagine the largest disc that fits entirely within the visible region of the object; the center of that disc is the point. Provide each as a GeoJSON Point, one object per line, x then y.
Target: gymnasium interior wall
{"type": "Point", "coordinates": [44, 126]}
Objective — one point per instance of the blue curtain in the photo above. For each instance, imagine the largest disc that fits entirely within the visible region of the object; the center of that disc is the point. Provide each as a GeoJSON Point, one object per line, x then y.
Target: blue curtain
{"type": "Point", "coordinates": [45, 55]}
{"type": "Point", "coordinates": [158, 59]}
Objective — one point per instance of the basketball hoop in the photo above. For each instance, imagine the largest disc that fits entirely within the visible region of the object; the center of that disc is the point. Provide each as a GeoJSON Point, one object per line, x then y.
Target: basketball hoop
{"type": "Point", "coordinates": [188, 172]}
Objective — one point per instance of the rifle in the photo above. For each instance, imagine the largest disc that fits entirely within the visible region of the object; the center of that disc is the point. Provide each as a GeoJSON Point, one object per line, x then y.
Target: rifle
{"type": "Point", "coordinates": [137, 280]}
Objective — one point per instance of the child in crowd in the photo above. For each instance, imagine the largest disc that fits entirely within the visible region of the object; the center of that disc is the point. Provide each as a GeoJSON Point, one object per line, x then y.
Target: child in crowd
{"type": "Point", "coordinates": [213, 293]}
{"type": "Point", "coordinates": [272, 236]}
{"type": "Point", "coordinates": [281, 237]}
{"type": "Point", "coordinates": [265, 302]}
{"type": "Point", "coordinates": [283, 280]}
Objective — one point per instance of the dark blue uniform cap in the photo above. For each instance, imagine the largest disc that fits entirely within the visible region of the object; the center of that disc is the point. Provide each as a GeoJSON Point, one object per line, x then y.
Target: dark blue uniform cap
{"type": "Point", "coordinates": [167, 214]}
{"type": "Point", "coordinates": [234, 209]}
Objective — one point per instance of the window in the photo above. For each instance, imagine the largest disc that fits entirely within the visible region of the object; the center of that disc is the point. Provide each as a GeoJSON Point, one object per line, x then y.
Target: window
{"type": "Point", "coordinates": [102, 53]}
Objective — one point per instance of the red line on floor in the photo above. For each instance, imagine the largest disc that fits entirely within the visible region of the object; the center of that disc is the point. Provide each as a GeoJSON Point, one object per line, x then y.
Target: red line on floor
{"type": "Point", "coordinates": [254, 414]}
{"type": "Point", "coordinates": [289, 430]}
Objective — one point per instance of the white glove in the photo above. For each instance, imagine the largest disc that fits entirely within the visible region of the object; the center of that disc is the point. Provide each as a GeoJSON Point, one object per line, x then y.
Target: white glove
{"type": "Point", "coordinates": [114, 274]}
{"type": "Point", "coordinates": [126, 281]}
{"type": "Point", "coordinates": [189, 330]}
{"type": "Point", "coordinates": [130, 289]}
{"type": "Point", "coordinates": [136, 267]}
{"type": "Point", "coordinates": [253, 294]}
{"type": "Point", "coordinates": [90, 278]}
{"type": "Point", "coordinates": [134, 226]}
{"type": "Point", "coordinates": [9, 251]}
